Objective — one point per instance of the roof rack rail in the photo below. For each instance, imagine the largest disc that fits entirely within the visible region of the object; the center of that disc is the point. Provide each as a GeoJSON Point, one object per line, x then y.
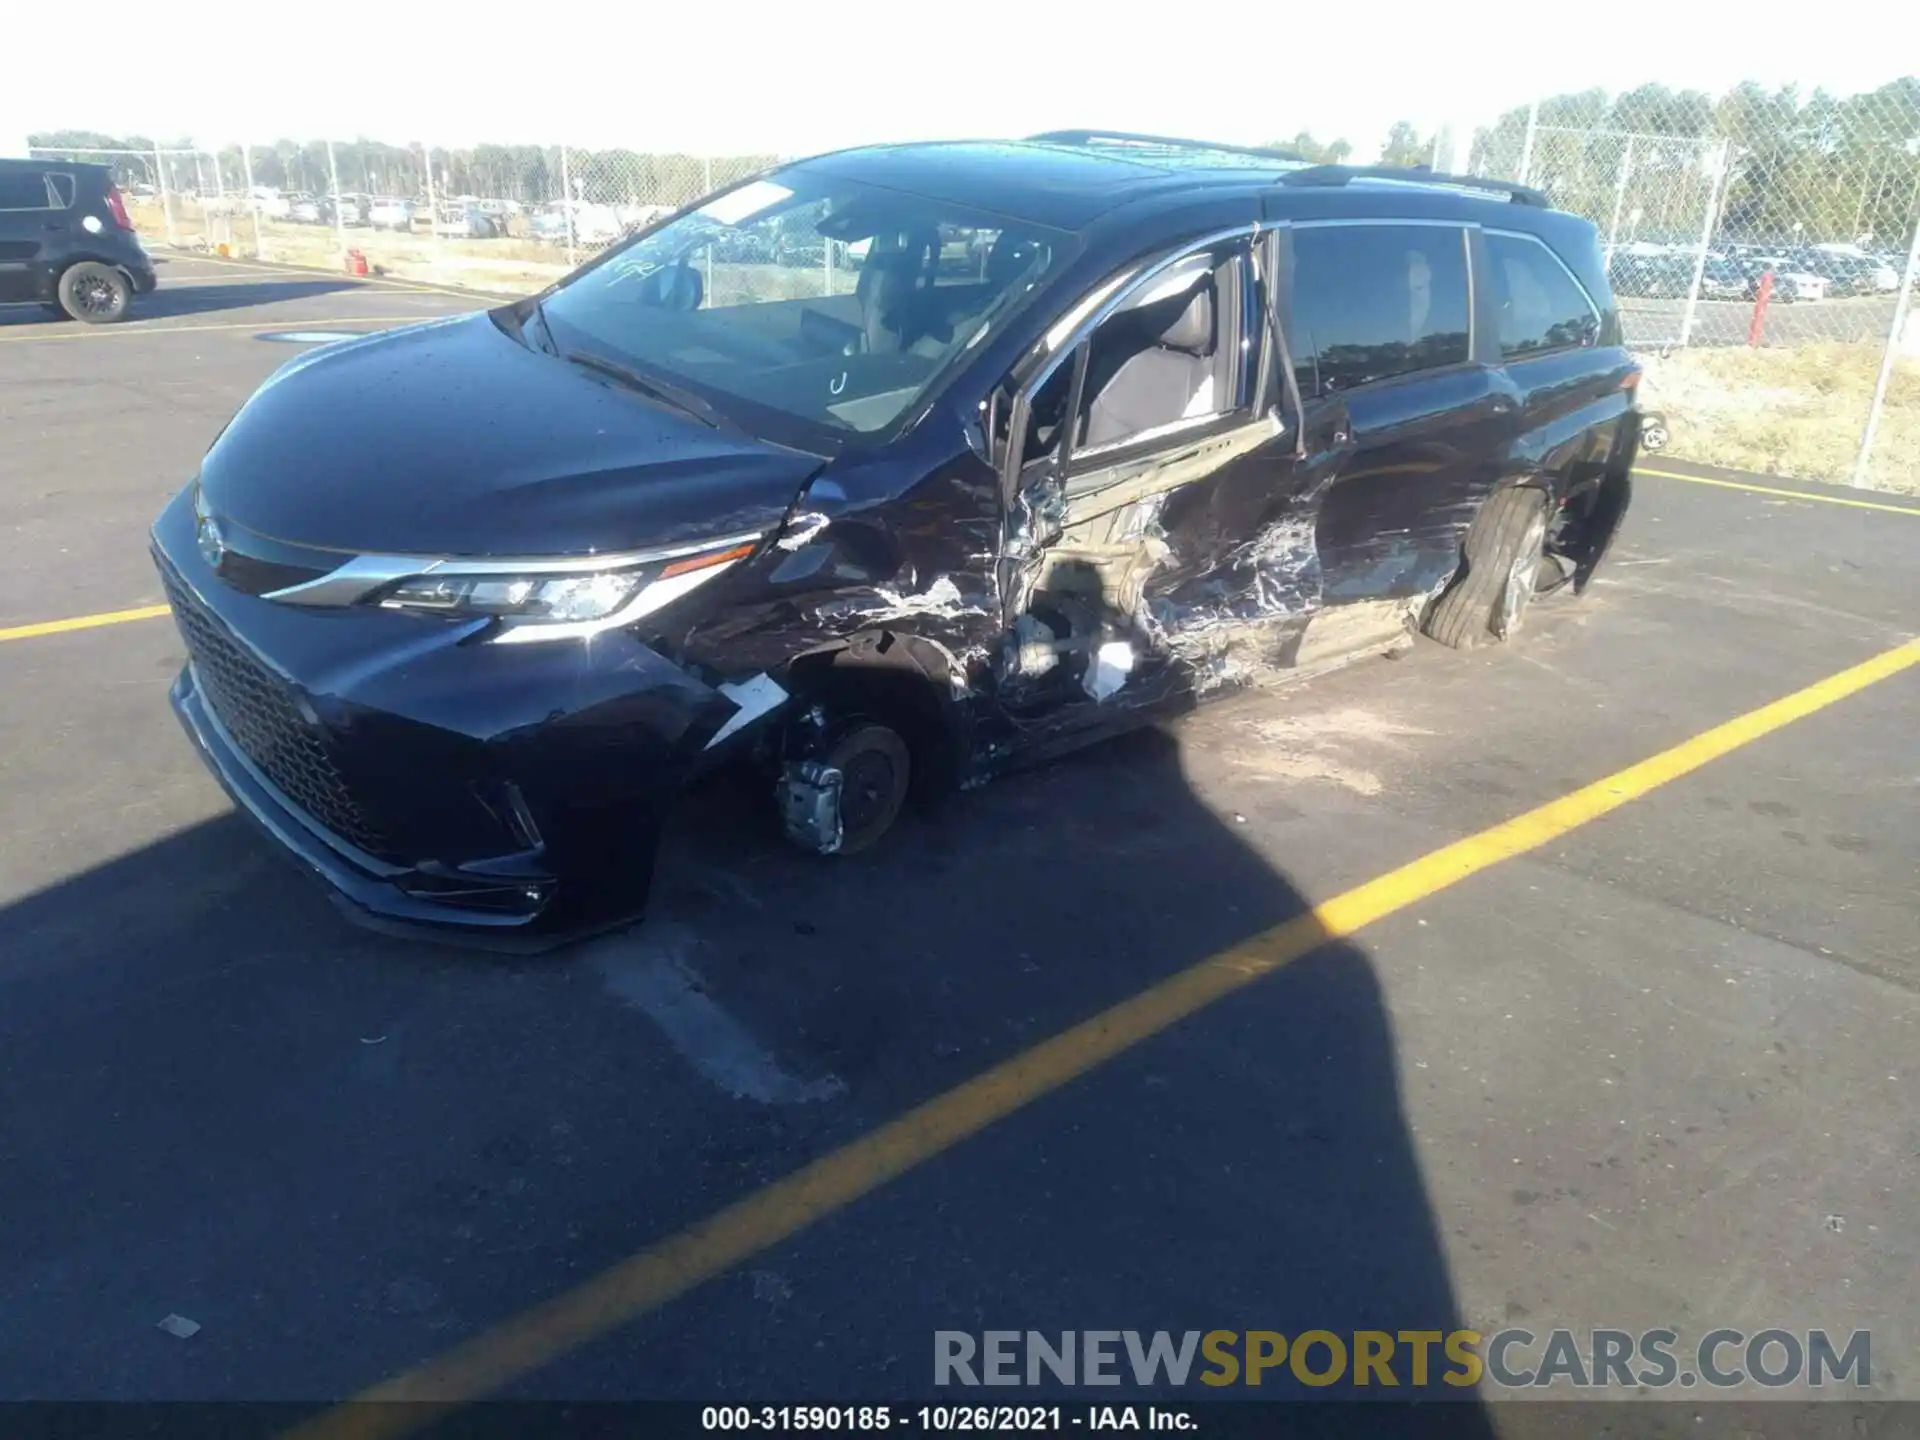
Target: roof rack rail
{"type": "Point", "coordinates": [1169, 142]}
{"type": "Point", "coordinates": [1416, 174]}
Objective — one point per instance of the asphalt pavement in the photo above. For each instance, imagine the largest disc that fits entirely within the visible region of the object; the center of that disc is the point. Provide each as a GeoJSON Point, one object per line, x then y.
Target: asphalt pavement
{"type": "Point", "coordinates": [1855, 319]}
{"type": "Point", "coordinates": [1656, 1071]}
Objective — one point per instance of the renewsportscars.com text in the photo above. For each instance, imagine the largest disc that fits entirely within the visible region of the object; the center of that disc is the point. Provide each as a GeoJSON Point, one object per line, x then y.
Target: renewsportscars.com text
{"type": "Point", "coordinates": [1508, 1359]}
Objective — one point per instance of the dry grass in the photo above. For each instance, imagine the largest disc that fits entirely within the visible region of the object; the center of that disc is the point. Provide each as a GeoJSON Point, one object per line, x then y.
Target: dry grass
{"type": "Point", "coordinates": [512, 264]}
{"type": "Point", "coordinates": [507, 265]}
{"type": "Point", "coordinates": [1795, 411]}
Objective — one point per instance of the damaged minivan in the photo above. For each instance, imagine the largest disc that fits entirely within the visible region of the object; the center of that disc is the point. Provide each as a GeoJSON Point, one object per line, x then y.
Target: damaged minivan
{"type": "Point", "coordinates": [884, 472]}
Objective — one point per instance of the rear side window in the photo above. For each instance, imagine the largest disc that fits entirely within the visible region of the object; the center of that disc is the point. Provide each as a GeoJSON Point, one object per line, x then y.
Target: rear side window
{"type": "Point", "coordinates": [24, 190]}
{"type": "Point", "coordinates": [62, 191]}
{"type": "Point", "coordinates": [1542, 307]}
{"type": "Point", "coordinates": [1370, 302]}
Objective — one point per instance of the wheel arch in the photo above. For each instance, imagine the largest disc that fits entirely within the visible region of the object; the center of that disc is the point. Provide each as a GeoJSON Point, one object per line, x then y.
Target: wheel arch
{"type": "Point", "coordinates": [897, 678]}
{"type": "Point", "coordinates": [56, 272]}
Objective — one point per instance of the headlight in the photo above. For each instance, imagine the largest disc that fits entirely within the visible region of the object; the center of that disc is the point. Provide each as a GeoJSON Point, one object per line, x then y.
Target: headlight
{"type": "Point", "coordinates": [573, 597]}
{"type": "Point", "coordinates": [552, 600]}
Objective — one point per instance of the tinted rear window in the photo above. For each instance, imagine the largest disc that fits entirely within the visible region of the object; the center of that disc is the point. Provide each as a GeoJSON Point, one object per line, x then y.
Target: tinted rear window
{"type": "Point", "coordinates": [62, 190]}
{"type": "Point", "coordinates": [1541, 306]}
{"type": "Point", "coordinates": [24, 190]}
{"type": "Point", "coordinates": [1370, 302]}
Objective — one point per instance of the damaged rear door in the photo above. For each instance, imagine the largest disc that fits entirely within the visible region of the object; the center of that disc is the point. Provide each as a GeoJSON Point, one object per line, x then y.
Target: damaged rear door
{"type": "Point", "coordinates": [1380, 323]}
{"type": "Point", "coordinates": [1156, 543]}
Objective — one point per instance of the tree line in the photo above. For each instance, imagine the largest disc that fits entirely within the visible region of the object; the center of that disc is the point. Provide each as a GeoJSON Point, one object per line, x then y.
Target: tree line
{"type": "Point", "coordinates": [1779, 165]}
{"type": "Point", "coordinates": [1646, 163]}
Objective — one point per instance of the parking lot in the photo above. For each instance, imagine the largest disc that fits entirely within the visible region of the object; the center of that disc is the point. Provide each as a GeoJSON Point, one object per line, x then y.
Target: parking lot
{"type": "Point", "coordinates": [1142, 1040]}
{"type": "Point", "coordinates": [1851, 319]}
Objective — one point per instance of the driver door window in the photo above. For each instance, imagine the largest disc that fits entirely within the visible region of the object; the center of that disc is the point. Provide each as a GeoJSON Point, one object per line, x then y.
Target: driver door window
{"type": "Point", "coordinates": [1175, 359]}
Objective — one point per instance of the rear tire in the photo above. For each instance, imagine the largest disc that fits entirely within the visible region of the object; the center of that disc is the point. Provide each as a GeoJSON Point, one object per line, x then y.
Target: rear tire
{"type": "Point", "coordinates": [95, 294]}
{"type": "Point", "coordinates": [1491, 590]}
{"type": "Point", "coordinates": [876, 771]}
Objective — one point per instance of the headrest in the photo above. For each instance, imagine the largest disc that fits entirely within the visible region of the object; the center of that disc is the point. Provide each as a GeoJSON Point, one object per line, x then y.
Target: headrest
{"type": "Point", "coordinates": [1192, 329]}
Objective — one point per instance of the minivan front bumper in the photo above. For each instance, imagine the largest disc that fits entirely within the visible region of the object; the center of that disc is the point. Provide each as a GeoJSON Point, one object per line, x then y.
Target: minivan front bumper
{"type": "Point", "coordinates": [367, 889]}
{"type": "Point", "coordinates": [513, 793]}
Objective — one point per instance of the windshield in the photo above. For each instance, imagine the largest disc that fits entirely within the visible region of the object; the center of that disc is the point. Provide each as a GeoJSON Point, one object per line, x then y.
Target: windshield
{"type": "Point", "coordinates": [837, 303]}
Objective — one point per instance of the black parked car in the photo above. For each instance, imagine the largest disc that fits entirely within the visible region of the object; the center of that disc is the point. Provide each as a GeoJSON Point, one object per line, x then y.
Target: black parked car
{"type": "Point", "coordinates": [1660, 277]}
{"type": "Point", "coordinates": [468, 604]}
{"type": "Point", "coordinates": [66, 241]}
{"type": "Point", "coordinates": [1722, 278]}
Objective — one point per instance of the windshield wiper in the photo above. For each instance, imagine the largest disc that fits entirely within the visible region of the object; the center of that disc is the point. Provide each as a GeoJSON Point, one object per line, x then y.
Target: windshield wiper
{"type": "Point", "coordinates": [682, 400]}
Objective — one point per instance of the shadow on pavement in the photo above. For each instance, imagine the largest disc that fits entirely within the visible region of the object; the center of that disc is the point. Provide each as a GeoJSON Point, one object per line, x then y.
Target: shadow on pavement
{"type": "Point", "coordinates": [340, 1153]}
{"type": "Point", "coordinates": [175, 301]}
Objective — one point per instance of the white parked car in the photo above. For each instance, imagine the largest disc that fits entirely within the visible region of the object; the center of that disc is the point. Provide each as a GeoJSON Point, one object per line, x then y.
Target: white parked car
{"type": "Point", "coordinates": [592, 224]}
{"type": "Point", "coordinates": [391, 214]}
{"type": "Point", "coordinates": [1790, 283]}
{"type": "Point", "coordinates": [1884, 277]}
{"type": "Point", "coordinates": [596, 224]}
{"type": "Point", "coordinates": [638, 217]}
{"type": "Point", "coordinates": [465, 222]}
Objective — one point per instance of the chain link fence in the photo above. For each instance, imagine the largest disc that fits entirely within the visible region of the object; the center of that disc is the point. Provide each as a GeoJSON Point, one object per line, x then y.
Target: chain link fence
{"type": "Point", "coordinates": [1762, 249]}
{"type": "Point", "coordinates": [495, 219]}
{"type": "Point", "coordinates": [1761, 245]}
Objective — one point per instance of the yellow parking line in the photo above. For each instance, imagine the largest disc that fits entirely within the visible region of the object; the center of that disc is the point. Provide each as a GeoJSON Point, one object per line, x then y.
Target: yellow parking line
{"type": "Point", "coordinates": [1772, 490]}
{"type": "Point", "coordinates": [107, 332]}
{"type": "Point", "coordinates": [651, 1278]}
{"type": "Point", "coordinates": [82, 622]}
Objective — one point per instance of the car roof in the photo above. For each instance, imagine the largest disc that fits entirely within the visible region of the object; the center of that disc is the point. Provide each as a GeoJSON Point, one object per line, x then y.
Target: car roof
{"type": "Point", "coordinates": [86, 166]}
{"type": "Point", "coordinates": [1070, 184]}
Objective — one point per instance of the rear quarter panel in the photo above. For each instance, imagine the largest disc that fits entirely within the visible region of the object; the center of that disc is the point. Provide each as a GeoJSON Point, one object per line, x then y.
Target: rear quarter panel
{"type": "Point", "coordinates": [1576, 404]}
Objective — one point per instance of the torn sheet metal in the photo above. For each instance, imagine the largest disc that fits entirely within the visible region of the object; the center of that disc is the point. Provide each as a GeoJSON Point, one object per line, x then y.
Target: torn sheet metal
{"type": "Point", "coordinates": [940, 600]}
{"type": "Point", "coordinates": [1036, 646]}
{"type": "Point", "coordinates": [802, 530]}
{"type": "Point", "coordinates": [1112, 663]}
{"type": "Point", "coordinates": [756, 697]}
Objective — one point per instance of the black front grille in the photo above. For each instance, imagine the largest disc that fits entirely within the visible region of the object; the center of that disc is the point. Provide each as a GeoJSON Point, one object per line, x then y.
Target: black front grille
{"type": "Point", "coordinates": [259, 711]}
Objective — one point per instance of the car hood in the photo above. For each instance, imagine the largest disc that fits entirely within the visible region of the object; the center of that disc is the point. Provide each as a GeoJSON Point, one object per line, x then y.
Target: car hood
{"type": "Point", "coordinates": [451, 438]}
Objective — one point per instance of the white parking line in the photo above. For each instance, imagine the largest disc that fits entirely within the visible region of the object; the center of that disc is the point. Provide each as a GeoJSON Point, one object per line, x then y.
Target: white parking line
{"type": "Point", "coordinates": [651, 971]}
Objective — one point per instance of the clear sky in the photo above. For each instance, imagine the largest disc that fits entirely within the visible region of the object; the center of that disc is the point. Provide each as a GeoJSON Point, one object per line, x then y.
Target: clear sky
{"type": "Point", "coordinates": [733, 76]}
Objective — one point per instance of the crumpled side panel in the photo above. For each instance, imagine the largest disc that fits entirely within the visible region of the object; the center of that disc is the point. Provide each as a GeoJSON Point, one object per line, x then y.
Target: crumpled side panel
{"type": "Point", "coordinates": [1205, 562]}
{"type": "Point", "coordinates": [852, 559]}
